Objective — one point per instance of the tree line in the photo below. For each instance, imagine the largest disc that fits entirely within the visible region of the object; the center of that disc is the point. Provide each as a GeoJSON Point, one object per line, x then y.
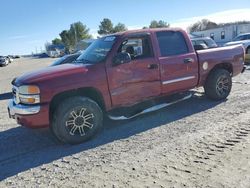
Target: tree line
{"type": "Point", "coordinates": [206, 24]}
{"type": "Point", "coordinates": [79, 31]}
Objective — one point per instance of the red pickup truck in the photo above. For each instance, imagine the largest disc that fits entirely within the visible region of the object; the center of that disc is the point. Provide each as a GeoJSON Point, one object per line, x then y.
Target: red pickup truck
{"type": "Point", "coordinates": [121, 75]}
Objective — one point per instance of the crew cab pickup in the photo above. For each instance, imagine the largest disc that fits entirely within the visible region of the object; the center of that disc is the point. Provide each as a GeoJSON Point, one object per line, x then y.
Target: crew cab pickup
{"type": "Point", "coordinates": [121, 76]}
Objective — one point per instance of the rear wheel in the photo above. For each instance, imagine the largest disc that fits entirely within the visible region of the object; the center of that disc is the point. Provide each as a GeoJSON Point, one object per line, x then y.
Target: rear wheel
{"type": "Point", "coordinates": [76, 120]}
{"type": "Point", "coordinates": [218, 85]}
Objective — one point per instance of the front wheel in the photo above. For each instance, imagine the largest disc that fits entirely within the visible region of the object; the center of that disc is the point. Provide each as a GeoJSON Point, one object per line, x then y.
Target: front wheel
{"type": "Point", "coordinates": [218, 85]}
{"type": "Point", "coordinates": [76, 120]}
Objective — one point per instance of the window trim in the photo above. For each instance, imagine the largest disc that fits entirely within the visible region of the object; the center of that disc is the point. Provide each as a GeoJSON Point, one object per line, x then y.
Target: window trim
{"type": "Point", "coordinates": [223, 35]}
{"type": "Point", "coordinates": [212, 36]}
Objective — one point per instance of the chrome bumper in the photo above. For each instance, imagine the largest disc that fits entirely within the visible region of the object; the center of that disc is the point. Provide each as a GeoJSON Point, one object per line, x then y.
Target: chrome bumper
{"type": "Point", "coordinates": [20, 109]}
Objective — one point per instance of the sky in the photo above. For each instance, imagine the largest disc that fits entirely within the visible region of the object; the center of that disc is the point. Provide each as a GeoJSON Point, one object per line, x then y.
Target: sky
{"type": "Point", "coordinates": [26, 25]}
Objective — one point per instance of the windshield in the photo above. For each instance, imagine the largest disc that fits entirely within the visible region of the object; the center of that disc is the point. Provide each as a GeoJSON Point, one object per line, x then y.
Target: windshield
{"type": "Point", "coordinates": [210, 43]}
{"type": "Point", "coordinates": [97, 51]}
{"type": "Point", "coordinates": [242, 37]}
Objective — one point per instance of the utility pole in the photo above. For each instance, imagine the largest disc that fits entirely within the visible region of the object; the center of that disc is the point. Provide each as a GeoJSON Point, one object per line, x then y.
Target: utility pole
{"type": "Point", "coordinates": [75, 34]}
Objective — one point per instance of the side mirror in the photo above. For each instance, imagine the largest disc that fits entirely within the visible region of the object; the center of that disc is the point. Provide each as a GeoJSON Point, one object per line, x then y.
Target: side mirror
{"type": "Point", "coordinates": [200, 47]}
{"type": "Point", "coordinates": [121, 58]}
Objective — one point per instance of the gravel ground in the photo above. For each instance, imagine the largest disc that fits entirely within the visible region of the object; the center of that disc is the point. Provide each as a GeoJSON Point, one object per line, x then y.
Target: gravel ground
{"type": "Point", "coordinates": [195, 143]}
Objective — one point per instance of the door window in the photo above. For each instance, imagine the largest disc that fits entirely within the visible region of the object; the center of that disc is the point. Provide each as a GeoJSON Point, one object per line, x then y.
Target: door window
{"type": "Point", "coordinates": [138, 48]}
{"type": "Point", "coordinates": [171, 43]}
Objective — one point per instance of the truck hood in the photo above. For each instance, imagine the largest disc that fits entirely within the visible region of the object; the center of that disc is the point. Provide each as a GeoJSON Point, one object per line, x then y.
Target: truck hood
{"type": "Point", "coordinates": [237, 42]}
{"type": "Point", "coordinates": [50, 73]}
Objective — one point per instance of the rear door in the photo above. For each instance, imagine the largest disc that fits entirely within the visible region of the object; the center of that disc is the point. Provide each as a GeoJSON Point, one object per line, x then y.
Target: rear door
{"type": "Point", "coordinates": [132, 82]}
{"type": "Point", "coordinates": [178, 62]}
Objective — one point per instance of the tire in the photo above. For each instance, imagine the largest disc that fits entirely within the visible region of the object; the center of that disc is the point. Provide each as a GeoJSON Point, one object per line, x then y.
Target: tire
{"type": "Point", "coordinates": [218, 85]}
{"type": "Point", "coordinates": [76, 119]}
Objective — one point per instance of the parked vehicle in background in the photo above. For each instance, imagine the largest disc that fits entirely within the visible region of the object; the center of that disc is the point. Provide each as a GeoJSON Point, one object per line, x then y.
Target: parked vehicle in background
{"type": "Point", "coordinates": [243, 39]}
{"type": "Point", "coordinates": [55, 51]}
{"type": "Point", "coordinates": [14, 56]}
{"type": "Point", "coordinates": [9, 58]}
{"type": "Point", "coordinates": [3, 61]}
{"type": "Point", "coordinates": [66, 59]}
{"type": "Point", "coordinates": [120, 80]}
{"type": "Point", "coordinates": [204, 42]}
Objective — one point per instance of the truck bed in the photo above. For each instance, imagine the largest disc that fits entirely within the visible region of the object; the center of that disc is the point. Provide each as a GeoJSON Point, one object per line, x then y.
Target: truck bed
{"type": "Point", "coordinates": [213, 56]}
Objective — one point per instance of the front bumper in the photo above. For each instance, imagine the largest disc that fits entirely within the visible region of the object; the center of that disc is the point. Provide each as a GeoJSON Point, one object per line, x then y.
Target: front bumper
{"type": "Point", "coordinates": [22, 109]}
{"type": "Point", "coordinates": [33, 116]}
{"type": "Point", "coordinates": [2, 63]}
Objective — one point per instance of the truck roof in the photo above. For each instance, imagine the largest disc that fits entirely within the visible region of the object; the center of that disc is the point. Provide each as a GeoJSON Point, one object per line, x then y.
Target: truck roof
{"type": "Point", "coordinates": [145, 31]}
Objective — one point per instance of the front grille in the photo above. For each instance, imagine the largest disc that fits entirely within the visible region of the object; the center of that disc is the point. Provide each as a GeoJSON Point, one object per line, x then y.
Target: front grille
{"type": "Point", "coordinates": [15, 94]}
{"type": "Point", "coordinates": [14, 91]}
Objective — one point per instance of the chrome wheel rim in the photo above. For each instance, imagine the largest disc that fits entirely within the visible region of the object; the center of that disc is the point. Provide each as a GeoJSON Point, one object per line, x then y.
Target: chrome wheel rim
{"type": "Point", "coordinates": [79, 122]}
{"type": "Point", "coordinates": [223, 86]}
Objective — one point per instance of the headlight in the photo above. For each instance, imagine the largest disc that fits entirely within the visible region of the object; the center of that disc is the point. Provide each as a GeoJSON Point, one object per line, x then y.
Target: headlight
{"type": "Point", "coordinates": [29, 90]}
{"type": "Point", "coordinates": [28, 94]}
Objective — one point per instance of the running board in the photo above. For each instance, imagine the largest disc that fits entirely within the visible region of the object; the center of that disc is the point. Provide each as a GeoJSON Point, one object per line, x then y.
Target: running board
{"type": "Point", "coordinates": [151, 109]}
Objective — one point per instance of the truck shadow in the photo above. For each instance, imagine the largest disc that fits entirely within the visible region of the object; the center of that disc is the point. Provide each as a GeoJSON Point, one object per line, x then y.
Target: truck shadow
{"type": "Point", "coordinates": [5, 96]}
{"type": "Point", "coordinates": [22, 149]}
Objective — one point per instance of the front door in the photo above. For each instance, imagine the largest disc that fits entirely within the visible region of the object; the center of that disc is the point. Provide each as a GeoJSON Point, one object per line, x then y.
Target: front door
{"type": "Point", "coordinates": [137, 80]}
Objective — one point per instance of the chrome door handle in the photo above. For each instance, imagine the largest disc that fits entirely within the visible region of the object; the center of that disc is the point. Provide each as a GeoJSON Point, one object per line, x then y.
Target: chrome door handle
{"type": "Point", "coordinates": [188, 60]}
{"type": "Point", "coordinates": [153, 66]}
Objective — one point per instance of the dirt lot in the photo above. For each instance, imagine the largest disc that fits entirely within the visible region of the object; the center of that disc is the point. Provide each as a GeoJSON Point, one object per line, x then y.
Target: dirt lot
{"type": "Point", "coordinates": [195, 143]}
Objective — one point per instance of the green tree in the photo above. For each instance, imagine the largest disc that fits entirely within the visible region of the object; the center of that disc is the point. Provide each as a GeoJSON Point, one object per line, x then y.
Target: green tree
{"type": "Point", "coordinates": [105, 27]}
{"type": "Point", "coordinates": [119, 28]}
{"type": "Point", "coordinates": [158, 24]}
{"type": "Point", "coordinates": [78, 31]}
{"type": "Point", "coordinates": [67, 39]}
{"type": "Point", "coordinates": [57, 41]}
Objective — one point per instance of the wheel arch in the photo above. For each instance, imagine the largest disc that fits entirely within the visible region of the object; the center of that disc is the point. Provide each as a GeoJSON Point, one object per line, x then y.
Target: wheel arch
{"type": "Point", "coordinates": [225, 65]}
{"type": "Point", "coordinates": [89, 92]}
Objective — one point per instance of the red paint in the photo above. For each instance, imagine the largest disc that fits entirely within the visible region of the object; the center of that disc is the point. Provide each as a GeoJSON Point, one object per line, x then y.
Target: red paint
{"type": "Point", "coordinates": [130, 83]}
{"type": "Point", "coordinates": [39, 120]}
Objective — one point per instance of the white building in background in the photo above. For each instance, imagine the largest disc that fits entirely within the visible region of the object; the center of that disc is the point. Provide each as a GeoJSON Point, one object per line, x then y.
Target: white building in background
{"type": "Point", "coordinates": [224, 34]}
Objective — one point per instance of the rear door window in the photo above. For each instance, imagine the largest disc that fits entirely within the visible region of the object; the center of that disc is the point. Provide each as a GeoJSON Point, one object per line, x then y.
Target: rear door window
{"type": "Point", "coordinates": [171, 43]}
